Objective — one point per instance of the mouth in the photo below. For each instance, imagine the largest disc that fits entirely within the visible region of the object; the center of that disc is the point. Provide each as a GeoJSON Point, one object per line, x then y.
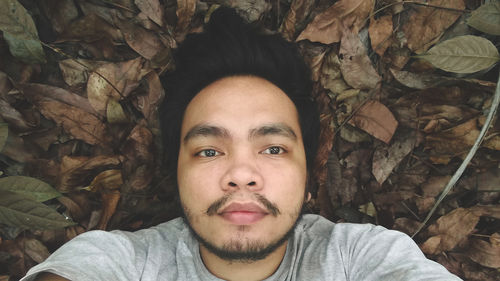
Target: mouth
{"type": "Point", "coordinates": [243, 213]}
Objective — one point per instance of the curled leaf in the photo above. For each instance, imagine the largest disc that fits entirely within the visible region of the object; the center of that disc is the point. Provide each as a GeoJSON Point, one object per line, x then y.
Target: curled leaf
{"type": "Point", "coordinates": [463, 54]}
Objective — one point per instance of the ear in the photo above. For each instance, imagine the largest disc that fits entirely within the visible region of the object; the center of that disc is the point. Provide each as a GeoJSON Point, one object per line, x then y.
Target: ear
{"type": "Point", "coordinates": [308, 197]}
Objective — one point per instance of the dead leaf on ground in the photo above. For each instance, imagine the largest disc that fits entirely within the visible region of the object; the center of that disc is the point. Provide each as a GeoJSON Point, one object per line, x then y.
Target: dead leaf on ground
{"type": "Point", "coordinates": [148, 104]}
{"type": "Point", "coordinates": [145, 42]}
{"type": "Point", "coordinates": [76, 175]}
{"type": "Point", "coordinates": [90, 28]}
{"type": "Point", "coordinates": [449, 230]}
{"type": "Point", "coordinates": [380, 33]}
{"type": "Point", "coordinates": [40, 92]}
{"type": "Point", "coordinates": [60, 13]}
{"type": "Point", "coordinates": [104, 82]}
{"type": "Point", "coordinates": [427, 24]}
{"type": "Point", "coordinates": [434, 185]}
{"type": "Point", "coordinates": [386, 158]}
{"type": "Point", "coordinates": [355, 65]}
{"type": "Point", "coordinates": [152, 8]}
{"type": "Point", "coordinates": [376, 119]}
{"type": "Point", "coordinates": [329, 26]}
{"type": "Point", "coordinates": [299, 10]}
{"type": "Point", "coordinates": [185, 11]}
{"type": "Point", "coordinates": [485, 253]}
{"type": "Point", "coordinates": [76, 71]}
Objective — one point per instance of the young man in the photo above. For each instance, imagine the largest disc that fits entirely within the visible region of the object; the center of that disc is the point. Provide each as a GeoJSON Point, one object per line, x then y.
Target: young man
{"type": "Point", "coordinates": [241, 133]}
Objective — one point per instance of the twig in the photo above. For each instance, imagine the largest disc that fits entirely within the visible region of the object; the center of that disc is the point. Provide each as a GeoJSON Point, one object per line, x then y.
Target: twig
{"type": "Point", "coordinates": [468, 158]}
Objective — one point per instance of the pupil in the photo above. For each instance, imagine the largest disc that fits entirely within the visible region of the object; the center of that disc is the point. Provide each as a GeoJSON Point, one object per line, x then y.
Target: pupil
{"type": "Point", "coordinates": [275, 150]}
{"type": "Point", "coordinates": [210, 152]}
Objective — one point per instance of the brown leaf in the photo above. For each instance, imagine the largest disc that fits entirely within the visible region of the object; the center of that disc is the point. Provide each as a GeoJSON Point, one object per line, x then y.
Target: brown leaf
{"type": "Point", "coordinates": [110, 201]}
{"type": "Point", "coordinates": [122, 76]}
{"type": "Point", "coordinates": [146, 43]}
{"type": "Point", "coordinates": [77, 205]}
{"type": "Point", "coordinates": [251, 10]}
{"type": "Point", "coordinates": [385, 158]}
{"type": "Point", "coordinates": [434, 185]}
{"type": "Point", "coordinates": [34, 249]}
{"type": "Point", "coordinates": [152, 8]}
{"type": "Point", "coordinates": [392, 197]}
{"type": "Point", "coordinates": [185, 12]}
{"type": "Point", "coordinates": [297, 14]}
{"type": "Point", "coordinates": [484, 253]}
{"type": "Point", "coordinates": [39, 92]}
{"type": "Point", "coordinates": [107, 180]}
{"type": "Point", "coordinates": [138, 149]}
{"type": "Point", "coordinates": [60, 13]}
{"type": "Point", "coordinates": [90, 28]}
{"type": "Point", "coordinates": [328, 26]}
{"type": "Point", "coordinates": [81, 171]}
{"type": "Point", "coordinates": [355, 65]}
{"type": "Point", "coordinates": [374, 118]}
{"type": "Point", "coordinates": [380, 31]}
{"type": "Point", "coordinates": [12, 116]}
{"type": "Point", "coordinates": [426, 25]}
{"type": "Point", "coordinates": [80, 124]}
{"type": "Point", "coordinates": [449, 230]}
{"type": "Point", "coordinates": [148, 104]}
{"type": "Point", "coordinates": [76, 71]}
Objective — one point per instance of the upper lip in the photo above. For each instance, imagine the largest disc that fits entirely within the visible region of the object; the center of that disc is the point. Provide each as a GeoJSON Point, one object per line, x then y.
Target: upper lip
{"type": "Point", "coordinates": [243, 207]}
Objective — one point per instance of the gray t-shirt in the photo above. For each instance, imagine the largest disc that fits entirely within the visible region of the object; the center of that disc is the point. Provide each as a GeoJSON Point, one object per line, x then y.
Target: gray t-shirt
{"type": "Point", "coordinates": [318, 250]}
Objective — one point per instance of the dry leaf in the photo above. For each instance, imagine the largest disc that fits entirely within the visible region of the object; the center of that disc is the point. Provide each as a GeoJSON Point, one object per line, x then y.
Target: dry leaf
{"type": "Point", "coordinates": [60, 13]}
{"type": "Point", "coordinates": [485, 253]}
{"type": "Point", "coordinates": [12, 116]}
{"type": "Point", "coordinates": [449, 230]}
{"type": "Point", "coordinates": [297, 14]}
{"type": "Point", "coordinates": [380, 31]}
{"type": "Point", "coordinates": [146, 43]}
{"type": "Point", "coordinates": [355, 65]}
{"type": "Point", "coordinates": [90, 28]}
{"type": "Point", "coordinates": [148, 104]}
{"type": "Point", "coordinates": [80, 124]}
{"type": "Point", "coordinates": [374, 118]}
{"type": "Point", "coordinates": [385, 158]}
{"type": "Point", "coordinates": [82, 171]}
{"type": "Point", "coordinates": [76, 72]}
{"type": "Point", "coordinates": [185, 11]}
{"type": "Point", "coordinates": [107, 79]}
{"type": "Point", "coordinates": [329, 26]}
{"type": "Point", "coordinates": [434, 185]}
{"type": "Point", "coordinates": [427, 24]}
{"type": "Point", "coordinates": [152, 8]}
{"type": "Point", "coordinates": [38, 92]}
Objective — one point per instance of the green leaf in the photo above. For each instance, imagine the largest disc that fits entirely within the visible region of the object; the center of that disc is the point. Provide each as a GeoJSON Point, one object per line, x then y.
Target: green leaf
{"type": "Point", "coordinates": [4, 133]}
{"type": "Point", "coordinates": [19, 211]}
{"type": "Point", "coordinates": [20, 32]}
{"type": "Point", "coordinates": [486, 18]}
{"type": "Point", "coordinates": [32, 188]}
{"type": "Point", "coordinates": [463, 54]}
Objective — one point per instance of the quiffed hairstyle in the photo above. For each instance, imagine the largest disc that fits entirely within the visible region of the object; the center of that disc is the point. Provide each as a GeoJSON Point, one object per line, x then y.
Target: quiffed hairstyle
{"type": "Point", "coordinates": [229, 46]}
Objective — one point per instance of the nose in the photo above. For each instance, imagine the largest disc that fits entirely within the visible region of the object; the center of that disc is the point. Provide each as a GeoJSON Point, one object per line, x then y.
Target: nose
{"type": "Point", "coordinates": [242, 172]}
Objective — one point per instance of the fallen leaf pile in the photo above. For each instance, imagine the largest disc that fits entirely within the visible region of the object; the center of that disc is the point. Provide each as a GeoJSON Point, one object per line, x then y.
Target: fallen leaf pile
{"type": "Point", "coordinates": [404, 89]}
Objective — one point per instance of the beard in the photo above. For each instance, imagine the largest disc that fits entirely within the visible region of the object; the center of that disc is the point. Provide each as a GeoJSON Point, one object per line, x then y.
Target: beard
{"type": "Point", "coordinates": [240, 249]}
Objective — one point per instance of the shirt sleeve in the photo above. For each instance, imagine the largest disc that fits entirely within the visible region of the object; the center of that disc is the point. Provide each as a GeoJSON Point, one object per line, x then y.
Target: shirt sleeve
{"type": "Point", "coordinates": [381, 254]}
{"type": "Point", "coordinates": [93, 256]}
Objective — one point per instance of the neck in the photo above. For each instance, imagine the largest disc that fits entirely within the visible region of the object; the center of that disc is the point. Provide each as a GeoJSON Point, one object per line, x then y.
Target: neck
{"type": "Point", "coordinates": [243, 271]}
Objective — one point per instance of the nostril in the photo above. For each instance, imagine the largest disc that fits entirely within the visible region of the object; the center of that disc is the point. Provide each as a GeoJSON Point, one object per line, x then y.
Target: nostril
{"type": "Point", "coordinates": [252, 183]}
{"type": "Point", "coordinates": [232, 184]}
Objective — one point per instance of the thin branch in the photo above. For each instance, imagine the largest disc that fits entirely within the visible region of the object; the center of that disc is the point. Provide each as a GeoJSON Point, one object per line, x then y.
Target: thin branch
{"type": "Point", "coordinates": [465, 163]}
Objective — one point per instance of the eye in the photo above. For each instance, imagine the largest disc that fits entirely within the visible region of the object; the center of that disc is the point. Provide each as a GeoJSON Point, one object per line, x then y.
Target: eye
{"type": "Point", "coordinates": [208, 153]}
{"type": "Point", "coordinates": [274, 150]}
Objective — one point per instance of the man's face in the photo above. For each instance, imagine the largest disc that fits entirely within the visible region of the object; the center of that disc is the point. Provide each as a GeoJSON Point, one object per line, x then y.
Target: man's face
{"type": "Point", "coordinates": [242, 167]}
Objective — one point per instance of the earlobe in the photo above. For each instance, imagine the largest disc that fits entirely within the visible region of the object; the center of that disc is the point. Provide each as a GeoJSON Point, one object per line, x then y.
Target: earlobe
{"type": "Point", "coordinates": [308, 197]}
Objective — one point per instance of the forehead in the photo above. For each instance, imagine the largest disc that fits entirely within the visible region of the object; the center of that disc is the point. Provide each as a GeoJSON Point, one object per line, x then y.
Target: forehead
{"type": "Point", "coordinates": [240, 101]}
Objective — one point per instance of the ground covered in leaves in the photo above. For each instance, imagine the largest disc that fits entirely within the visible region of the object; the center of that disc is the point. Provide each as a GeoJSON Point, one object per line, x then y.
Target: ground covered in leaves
{"type": "Point", "coordinates": [404, 88]}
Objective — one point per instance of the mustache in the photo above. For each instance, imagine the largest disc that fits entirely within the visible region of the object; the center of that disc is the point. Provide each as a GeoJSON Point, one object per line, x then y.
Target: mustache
{"type": "Point", "coordinates": [213, 209]}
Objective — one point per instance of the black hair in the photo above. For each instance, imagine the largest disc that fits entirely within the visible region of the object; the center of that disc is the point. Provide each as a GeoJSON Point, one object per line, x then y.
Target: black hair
{"type": "Point", "coordinates": [229, 46]}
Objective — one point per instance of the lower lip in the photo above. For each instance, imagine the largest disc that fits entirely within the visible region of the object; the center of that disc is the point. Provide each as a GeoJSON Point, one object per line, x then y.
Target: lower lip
{"type": "Point", "coordinates": [243, 218]}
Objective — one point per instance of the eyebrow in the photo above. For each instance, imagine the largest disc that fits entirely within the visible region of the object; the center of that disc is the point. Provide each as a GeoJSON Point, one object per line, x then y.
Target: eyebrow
{"type": "Point", "coordinates": [205, 130]}
{"type": "Point", "coordinates": [279, 129]}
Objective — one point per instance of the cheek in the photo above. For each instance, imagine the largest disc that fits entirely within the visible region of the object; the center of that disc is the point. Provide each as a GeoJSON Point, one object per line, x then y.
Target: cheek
{"type": "Point", "coordinates": [198, 186]}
